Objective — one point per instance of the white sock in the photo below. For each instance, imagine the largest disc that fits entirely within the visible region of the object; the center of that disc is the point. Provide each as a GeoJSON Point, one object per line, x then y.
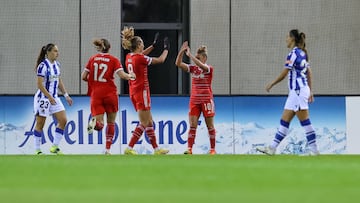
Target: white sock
{"type": "Point", "coordinates": [37, 142]}
{"type": "Point", "coordinates": [58, 136]}
{"type": "Point", "coordinates": [37, 139]}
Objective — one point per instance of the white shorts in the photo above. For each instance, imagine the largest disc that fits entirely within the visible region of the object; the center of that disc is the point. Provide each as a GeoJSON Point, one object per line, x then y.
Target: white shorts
{"type": "Point", "coordinates": [298, 100]}
{"type": "Point", "coordinates": [42, 106]}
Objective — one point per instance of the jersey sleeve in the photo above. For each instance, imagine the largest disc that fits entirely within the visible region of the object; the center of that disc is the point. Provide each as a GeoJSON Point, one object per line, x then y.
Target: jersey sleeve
{"type": "Point", "coordinates": [290, 59]}
{"type": "Point", "coordinates": [117, 65]}
{"type": "Point", "coordinates": [147, 60]}
{"type": "Point", "coordinates": [211, 69]}
{"type": "Point", "coordinates": [87, 67]}
{"type": "Point", "coordinates": [41, 70]}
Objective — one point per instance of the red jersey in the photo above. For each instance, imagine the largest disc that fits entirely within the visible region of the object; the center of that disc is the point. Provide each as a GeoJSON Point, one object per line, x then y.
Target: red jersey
{"type": "Point", "coordinates": [138, 64]}
{"type": "Point", "coordinates": [201, 90]}
{"type": "Point", "coordinates": [102, 68]}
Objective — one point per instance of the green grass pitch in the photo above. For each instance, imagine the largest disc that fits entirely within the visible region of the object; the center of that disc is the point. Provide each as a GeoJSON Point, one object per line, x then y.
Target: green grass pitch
{"type": "Point", "coordinates": [179, 178]}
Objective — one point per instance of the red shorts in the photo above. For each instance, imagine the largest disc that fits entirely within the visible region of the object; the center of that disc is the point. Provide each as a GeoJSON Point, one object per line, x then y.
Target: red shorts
{"type": "Point", "coordinates": [141, 100]}
{"type": "Point", "coordinates": [108, 104]}
{"type": "Point", "coordinates": [207, 108]}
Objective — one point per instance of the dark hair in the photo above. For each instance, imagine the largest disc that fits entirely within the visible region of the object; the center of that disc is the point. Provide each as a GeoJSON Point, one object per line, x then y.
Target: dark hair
{"type": "Point", "coordinates": [102, 45]}
{"type": "Point", "coordinates": [299, 40]}
{"type": "Point", "coordinates": [43, 52]}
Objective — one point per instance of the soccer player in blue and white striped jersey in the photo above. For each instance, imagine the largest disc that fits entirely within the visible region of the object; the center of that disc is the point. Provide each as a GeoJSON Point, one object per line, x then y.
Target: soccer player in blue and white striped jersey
{"type": "Point", "coordinates": [46, 100]}
{"type": "Point", "coordinates": [299, 73]}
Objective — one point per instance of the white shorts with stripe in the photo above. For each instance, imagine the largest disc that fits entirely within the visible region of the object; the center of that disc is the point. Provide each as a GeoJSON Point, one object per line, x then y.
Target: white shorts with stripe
{"type": "Point", "coordinates": [298, 99]}
{"type": "Point", "coordinates": [42, 106]}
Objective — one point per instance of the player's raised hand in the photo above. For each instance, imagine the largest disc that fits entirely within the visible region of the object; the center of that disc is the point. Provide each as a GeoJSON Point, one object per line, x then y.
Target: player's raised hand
{"type": "Point", "coordinates": [188, 51]}
{"type": "Point", "coordinates": [156, 38]}
{"type": "Point", "coordinates": [166, 43]}
{"type": "Point", "coordinates": [184, 46]}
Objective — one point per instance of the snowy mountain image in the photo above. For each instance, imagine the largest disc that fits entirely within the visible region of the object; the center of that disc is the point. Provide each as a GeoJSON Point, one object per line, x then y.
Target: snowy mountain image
{"type": "Point", "coordinates": [244, 138]}
{"type": "Point", "coordinates": [232, 138]}
{"type": "Point", "coordinates": [9, 127]}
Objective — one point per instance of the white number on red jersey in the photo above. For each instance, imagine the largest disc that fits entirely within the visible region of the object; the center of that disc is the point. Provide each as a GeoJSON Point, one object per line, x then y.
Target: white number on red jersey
{"type": "Point", "coordinates": [103, 68]}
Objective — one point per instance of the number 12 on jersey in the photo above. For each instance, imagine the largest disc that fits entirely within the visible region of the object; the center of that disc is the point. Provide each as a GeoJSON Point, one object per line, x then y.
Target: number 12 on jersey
{"type": "Point", "coordinates": [103, 68]}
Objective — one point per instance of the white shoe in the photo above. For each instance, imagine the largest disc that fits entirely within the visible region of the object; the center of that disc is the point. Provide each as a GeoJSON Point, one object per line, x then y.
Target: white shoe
{"type": "Point", "coordinates": [266, 150]}
{"type": "Point", "coordinates": [314, 152]}
{"type": "Point", "coordinates": [91, 125]}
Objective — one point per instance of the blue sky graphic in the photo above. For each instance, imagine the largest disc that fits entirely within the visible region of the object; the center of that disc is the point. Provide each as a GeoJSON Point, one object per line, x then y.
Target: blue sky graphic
{"type": "Point", "coordinates": [264, 110]}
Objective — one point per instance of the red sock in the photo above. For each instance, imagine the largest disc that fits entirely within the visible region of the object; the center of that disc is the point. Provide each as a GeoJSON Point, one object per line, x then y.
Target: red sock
{"type": "Point", "coordinates": [212, 134]}
{"type": "Point", "coordinates": [191, 137]}
{"type": "Point", "coordinates": [110, 132]}
{"type": "Point", "coordinates": [151, 135]}
{"type": "Point", "coordinates": [136, 135]}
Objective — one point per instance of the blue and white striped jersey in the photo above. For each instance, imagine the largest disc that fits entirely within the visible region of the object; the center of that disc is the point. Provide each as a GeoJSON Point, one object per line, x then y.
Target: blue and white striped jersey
{"type": "Point", "coordinates": [297, 63]}
{"type": "Point", "coordinates": [51, 74]}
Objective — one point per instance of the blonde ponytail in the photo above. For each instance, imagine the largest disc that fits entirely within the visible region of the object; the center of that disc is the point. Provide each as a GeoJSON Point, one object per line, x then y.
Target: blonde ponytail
{"type": "Point", "coordinates": [127, 35]}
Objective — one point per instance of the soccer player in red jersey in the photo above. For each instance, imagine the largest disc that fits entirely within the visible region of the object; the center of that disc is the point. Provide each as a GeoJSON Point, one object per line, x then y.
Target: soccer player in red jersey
{"type": "Point", "coordinates": [99, 73]}
{"type": "Point", "coordinates": [137, 62]}
{"type": "Point", "coordinates": [201, 99]}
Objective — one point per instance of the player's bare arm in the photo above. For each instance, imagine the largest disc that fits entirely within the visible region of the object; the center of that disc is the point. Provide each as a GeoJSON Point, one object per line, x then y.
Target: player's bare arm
{"type": "Point", "coordinates": [65, 93]}
{"type": "Point", "coordinates": [197, 61]}
{"type": "Point", "coordinates": [162, 57]}
{"type": "Point", "coordinates": [178, 62]}
{"type": "Point", "coordinates": [309, 80]}
{"type": "Point", "coordinates": [84, 76]}
{"type": "Point", "coordinates": [282, 75]}
{"type": "Point", "coordinates": [126, 76]}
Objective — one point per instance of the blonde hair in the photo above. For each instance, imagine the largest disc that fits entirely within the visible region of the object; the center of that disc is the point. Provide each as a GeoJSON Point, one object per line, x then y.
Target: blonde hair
{"type": "Point", "coordinates": [128, 39]}
{"type": "Point", "coordinates": [101, 45]}
{"type": "Point", "coordinates": [202, 50]}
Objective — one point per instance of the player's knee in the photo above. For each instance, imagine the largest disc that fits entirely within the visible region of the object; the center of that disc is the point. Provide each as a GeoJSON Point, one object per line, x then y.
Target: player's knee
{"type": "Point", "coordinates": [99, 126]}
{"type": "Point", "coordinates": [62, 123]}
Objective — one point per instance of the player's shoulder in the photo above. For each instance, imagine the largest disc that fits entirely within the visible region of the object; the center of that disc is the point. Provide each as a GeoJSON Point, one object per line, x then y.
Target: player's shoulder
{"type": "Point", "coordinates": [112, 57]}
{"type": "Point", "coordinates": [138, 55]}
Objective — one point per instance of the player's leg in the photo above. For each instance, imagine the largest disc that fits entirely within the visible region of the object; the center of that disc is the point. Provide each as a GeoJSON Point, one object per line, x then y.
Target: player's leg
{"type": "Point", "coordinates": [137, 101]}
{"type": "Point", "coordinates": [283, 130]}
{"type": "Point", "coordinates": [291, 106]}
{"type": "Point", "coordinates": [208, 110]}
{"type": "Point", "coordinates": [193, 121]}
{"type": "Point", "coordinates": [59, 131]}
{"type": "Point", "coordinates": [194, 114]}
{"type": "Point", "coordinates": [136, 135]}
{"type": "Point", "coordinates": [97, 112]}
{"type": "Point", "coordinates": [212, 133]}
{"type": "Point", "coordinates": [145, 117]}
{"type": "Point", "coordinates": [110, 131]}
{"type": "Point", "coordinates": [303, 116]}
{"type": "Point", "coordinates": [38, 133]}
{"type": "Point", "coordinates": [41, 109]}
{"type": "Point", "coordinates": [111, 104]}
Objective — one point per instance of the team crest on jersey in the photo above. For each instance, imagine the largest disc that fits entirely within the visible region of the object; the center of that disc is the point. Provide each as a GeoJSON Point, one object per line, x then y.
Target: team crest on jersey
{"type": "Point", "coordinates": [198, 73]}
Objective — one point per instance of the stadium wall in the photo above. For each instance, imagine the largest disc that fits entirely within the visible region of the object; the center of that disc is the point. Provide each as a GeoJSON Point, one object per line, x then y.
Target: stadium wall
{"type": "Point", "coordinates": [245, 40]}
{"type": "Point", "coordinates": [241, 122]}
